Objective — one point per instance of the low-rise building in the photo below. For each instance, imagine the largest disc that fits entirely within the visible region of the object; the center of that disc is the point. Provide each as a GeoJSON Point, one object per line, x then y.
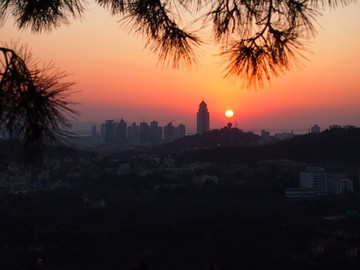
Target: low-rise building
{"type": "Point", "coordinates": [297, 194]}
{"type": "Point", "coordinates": [314, 178]}
{"type": "Point", "coordinates": [205, 179]}
{"type": "Point", "coordinates": [315, 129]}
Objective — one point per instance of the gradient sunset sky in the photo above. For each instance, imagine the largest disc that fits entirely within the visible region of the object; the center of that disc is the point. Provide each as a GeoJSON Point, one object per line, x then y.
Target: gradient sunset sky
{"type": "Point", "coordinates": [117, 78]}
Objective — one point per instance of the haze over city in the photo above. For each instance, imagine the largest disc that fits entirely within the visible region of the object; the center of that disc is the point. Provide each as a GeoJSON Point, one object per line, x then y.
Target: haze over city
{"type": "Point", "coordinates": [117, 78]}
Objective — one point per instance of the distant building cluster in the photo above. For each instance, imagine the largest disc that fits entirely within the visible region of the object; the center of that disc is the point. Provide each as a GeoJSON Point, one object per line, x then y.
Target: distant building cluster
{"type": "Point", "coordinates": [323, 182]}
{"type": "Point", "coordinates": [316, 181]}
{"type": "Point", "coordinates": [267, 138]}
{"type": "Point", "coordinates": [121, 134]}
{"type": "Point", "coordinates": [344, 127]}
{"type": "Point", "coordinates": [316, 129]}
{"type": "Point", "coordinates": [15, 179]}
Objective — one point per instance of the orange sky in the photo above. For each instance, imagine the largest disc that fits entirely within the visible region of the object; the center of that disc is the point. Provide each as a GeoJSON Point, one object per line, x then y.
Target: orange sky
{"type": "Point", "coordinates": [116, 77]}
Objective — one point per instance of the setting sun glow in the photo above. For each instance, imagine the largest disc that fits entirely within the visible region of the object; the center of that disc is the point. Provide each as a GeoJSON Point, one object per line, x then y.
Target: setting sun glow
{"type": "Point", "coordinates": [229, 113]}
{"type": "Point", "coordinates": [126, 81]}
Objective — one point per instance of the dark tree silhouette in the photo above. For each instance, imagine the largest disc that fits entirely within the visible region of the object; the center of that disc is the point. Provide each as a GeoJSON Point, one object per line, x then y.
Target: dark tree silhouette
{"type": "Point", "coordinates": [33, 104]}
{"type": "Point", "coordinates": [258, 39]}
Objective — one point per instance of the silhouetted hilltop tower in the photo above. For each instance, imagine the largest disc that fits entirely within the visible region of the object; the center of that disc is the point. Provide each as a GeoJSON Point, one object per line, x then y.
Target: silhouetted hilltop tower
{"type": "Point", "coordinates": [203, 118]}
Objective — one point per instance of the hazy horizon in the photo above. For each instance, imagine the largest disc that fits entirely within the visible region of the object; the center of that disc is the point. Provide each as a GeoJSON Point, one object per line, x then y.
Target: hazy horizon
{"type": "Point", "coordinates": [117, 78]}
{"type": "Point", "coordinates": [84, 128]}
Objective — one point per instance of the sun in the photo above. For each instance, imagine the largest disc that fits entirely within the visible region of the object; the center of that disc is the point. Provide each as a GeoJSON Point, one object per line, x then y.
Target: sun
{"type": "Point", "coordinates": [229, 113]}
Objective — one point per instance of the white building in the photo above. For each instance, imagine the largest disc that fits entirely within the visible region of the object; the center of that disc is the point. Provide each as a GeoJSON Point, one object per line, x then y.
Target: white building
{"type": "Point", "coordinates": [314, 178]}
{"type": "Point", "coordinates": [339, 185]}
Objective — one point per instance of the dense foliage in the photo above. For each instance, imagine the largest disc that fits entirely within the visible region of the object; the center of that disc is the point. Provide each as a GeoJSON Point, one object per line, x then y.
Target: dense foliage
{"type": "Point", "coordinates": [233, 145]}
{"type": "Point", "coordinates": [194, 229]}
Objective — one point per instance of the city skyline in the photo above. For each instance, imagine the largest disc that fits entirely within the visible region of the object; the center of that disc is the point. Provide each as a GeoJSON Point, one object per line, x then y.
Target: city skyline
{"type": "Point", "coordinates": [85, 128]}
{"type": "Point", "coordinates": [120, 133]}
{"type": "Point", "coordinates": [203, 125]}
{"type": "Point", "coordinates": [115, 77]}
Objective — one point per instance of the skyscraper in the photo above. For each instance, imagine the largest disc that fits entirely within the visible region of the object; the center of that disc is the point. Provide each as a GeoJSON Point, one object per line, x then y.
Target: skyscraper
{"type": "Point", "coordinates": [203, 118]}
{"type": "Point", "coordinates": [155, 133]}
{"type": "Point", "coordinates": [107, 132]}
{"type": "Point", "coordinates": [121, 133]}
{"type": "Point", "coordinates": [180, 131]}
{"type": "Point", "coordinates": [144, 133]}
{"type": "Point", "coordinates": [133, 133]}
{"type": "Point", "coordinates": [169, 131]}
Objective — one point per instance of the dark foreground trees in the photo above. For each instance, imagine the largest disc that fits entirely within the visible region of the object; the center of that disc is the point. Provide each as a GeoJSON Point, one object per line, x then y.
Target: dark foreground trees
{"type": "Point", "coordinates": [34, 104]}
{"type": "Point", "coordinates": [170, 229]}
{"type": "Point", "coordinates": [258, 39]}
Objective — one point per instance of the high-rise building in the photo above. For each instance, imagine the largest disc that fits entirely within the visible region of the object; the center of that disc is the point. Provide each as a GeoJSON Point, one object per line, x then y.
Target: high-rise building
{"type": "Point", "coordinates": [203, 118]}
{"type": "Point", "coordinates": [144, 133]}
{"type": "Point", "coordinates": [107, 132]}
{"type": "Point", "coordinates": [169, 132]}
{"type": "Point", "coordinates": [133, 133]}
{"type": "Point", "coordinates": [121, 133]}
{"type": "Point", "coordinates": [180, 131]}
{"type": "Point", "coordinates": [155, 133]}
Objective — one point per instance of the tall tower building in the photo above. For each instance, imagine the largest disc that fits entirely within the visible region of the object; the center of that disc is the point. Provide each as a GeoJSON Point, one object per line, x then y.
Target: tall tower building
{"type": "Point", "coordinates": [203, 118]}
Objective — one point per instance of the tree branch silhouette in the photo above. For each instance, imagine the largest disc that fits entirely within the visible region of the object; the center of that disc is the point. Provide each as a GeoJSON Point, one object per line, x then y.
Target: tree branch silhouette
{"type": "Point", "coordinates": [259, 39]}
{"type": "Point", "coordinates": [34, 104]}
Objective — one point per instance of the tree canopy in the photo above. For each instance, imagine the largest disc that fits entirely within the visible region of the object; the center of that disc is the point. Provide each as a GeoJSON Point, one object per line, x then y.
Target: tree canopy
{"type": "Point", "coordinates": [258, 39]}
